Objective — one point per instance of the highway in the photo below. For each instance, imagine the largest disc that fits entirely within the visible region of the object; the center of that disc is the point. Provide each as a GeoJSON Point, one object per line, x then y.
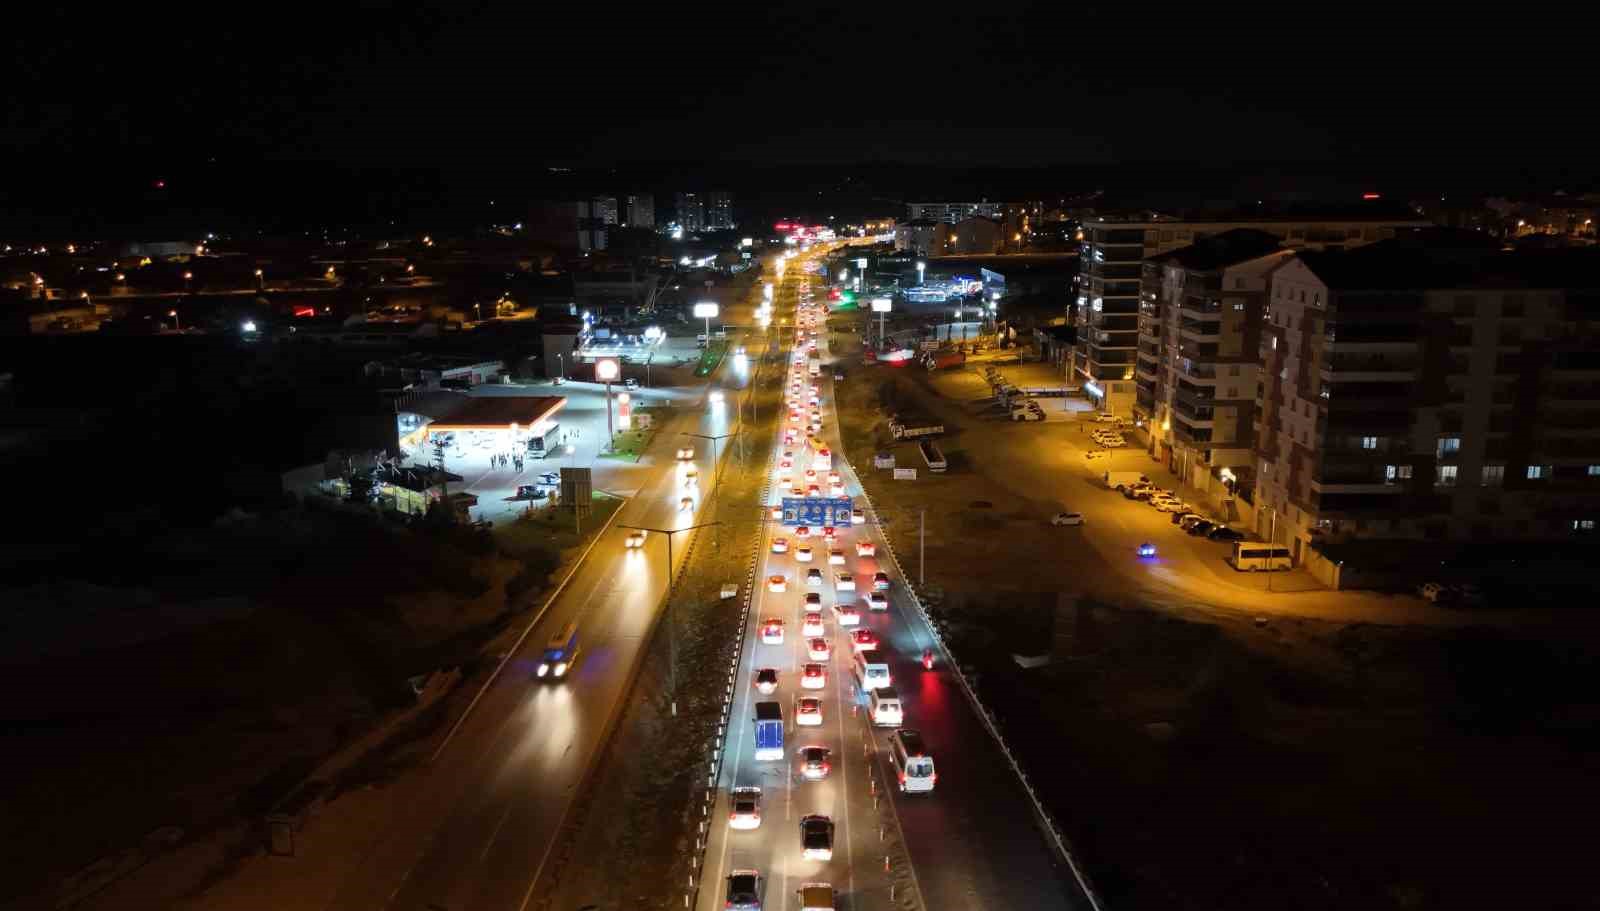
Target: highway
{"type": "Point", "coordinates": [479, 829]}
{"type": "Point", "coordinates": [973, 841]}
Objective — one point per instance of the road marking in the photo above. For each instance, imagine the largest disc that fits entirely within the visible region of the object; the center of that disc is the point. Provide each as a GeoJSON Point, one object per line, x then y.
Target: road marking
{"type": "Point", "coordinates": [484, 854]}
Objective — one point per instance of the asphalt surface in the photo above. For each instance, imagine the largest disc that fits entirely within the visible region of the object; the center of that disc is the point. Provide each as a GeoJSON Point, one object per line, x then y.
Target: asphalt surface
{"type": "Point", "coordinates": [500, 786]}
{"type": "Point", "coordinates": [973, 841]}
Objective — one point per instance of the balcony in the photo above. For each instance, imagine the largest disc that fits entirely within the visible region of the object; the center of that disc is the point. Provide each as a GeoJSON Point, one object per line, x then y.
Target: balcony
{"type": "Point", "coordinates": [1377, 368]}
{"type": "Point", "coordinates": [1146, 371]}
{"type": "Point", "coordinates": [1199, 415]}
{"type": "Point", "coordinates": [1191, 370]}
{"type": "Point", "coordinates": [1198, 433]}
{"type": "Point", "coordinates": [1200, 308]}
{"type": "Point", "coordinates": [1200, 329]}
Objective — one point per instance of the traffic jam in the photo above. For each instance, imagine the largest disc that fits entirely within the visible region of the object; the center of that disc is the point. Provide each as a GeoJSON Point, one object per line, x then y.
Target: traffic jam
{"type": "Point", "coordinates": [821, 626]}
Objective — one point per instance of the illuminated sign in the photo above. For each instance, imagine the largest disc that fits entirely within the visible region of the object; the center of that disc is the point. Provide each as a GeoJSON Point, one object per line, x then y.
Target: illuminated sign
{"type": "Point", "coordinates": [705, 310]}
{"type": "Point", "coordinates": [817, 511]}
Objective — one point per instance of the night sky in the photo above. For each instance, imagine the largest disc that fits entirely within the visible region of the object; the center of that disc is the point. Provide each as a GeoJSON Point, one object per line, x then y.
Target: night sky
{"type": "Point", "coordinates": [494, 89]}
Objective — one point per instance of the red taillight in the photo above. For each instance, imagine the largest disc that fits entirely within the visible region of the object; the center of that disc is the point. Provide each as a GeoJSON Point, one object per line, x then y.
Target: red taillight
{"type": "Point", "coordinates": [902, 778]}
{"type": "Point", "coordinates": [733, 816]}
{"type": "Point", "coordinates": [933, 777]}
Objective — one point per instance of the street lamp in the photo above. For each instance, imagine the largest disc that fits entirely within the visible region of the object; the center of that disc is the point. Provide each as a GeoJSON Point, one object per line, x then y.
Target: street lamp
{"type": "Point", "coordinates": [260, 280]}
{"type": "Point", "coordinates": [672, 616]}
{"type": "Point", "coordinates": [706, 310]}
{"type": "Point", "coordinates": [921, 267]}
{"type": "Point", "coordinates": [188, 281]}
{"type": "Point", "coordinates": [606, 370]}
{"type": "Point", "coordinates": [716, 466]}
{"type": "Point", "coordinates": [176, 322]}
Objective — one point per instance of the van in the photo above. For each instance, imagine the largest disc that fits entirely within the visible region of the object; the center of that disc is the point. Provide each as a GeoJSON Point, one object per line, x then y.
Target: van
{"type": "Point", "coordinates": [560, 653]}
{"type": "Point", "coordinates": [1251, 556]}
{"type": "Point", "coordinates": [816, 897]}
{"type": "Point", "coordinates": [1118, 480]}
{"type": "Point", "coordinates": [913, 764]}
{"type": "Point", "coordinates": [885, 705]}
{"type": "Point", "coordinates": [871, 670]}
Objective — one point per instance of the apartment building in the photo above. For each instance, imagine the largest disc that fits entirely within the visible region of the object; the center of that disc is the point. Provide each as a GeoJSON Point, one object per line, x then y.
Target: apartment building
{"type": "Point", "coordinates": [1430, 389]}
{"type": "Point", "coordinates": [691, 212]}
{"type": "Point", "coordinates": [719, 212]}
{"type": "Point", "coordinates": [641, 211]}
{"type": "Point", "coordinates": [1199, 357]}
{"type": "Point", "coordinates": [1111, 271]}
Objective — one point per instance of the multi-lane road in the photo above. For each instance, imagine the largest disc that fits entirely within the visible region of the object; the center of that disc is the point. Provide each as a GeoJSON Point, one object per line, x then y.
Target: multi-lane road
{"type": "Point", "coordinates": [972, 841]}
{"type": "Point", "coordinates": [477, 833]}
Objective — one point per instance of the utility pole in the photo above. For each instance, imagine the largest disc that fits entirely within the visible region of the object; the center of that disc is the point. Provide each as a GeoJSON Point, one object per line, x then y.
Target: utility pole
{"type": "Point", "coordinates": [672, 617]}
{"type": "Point", "coordinates": [922, 547]}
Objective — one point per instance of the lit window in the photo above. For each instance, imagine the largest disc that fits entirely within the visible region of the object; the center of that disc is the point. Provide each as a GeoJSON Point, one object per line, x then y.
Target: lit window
{"type": "Point", "coordinates": [1394, 474]}
{"type": "Point", "coordinates": [1583, 525]}
{"type": "Point", "coordinates": [1369, 442]}
{"type": "Point", "coordinates": [1447, 476]}
{"type": "Point", "coordinates": [1448, 445]}
{"type": "Point", "coordinates": [1494, 475]}
{"type": "Point", "coordinates": [1538, 472]}
{"type": "Point", "coordinates": [1594, 471]}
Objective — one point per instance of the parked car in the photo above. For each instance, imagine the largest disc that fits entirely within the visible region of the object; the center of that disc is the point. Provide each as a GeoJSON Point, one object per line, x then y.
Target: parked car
{"type": "Point", "coordinates": [1198, 529]}
{"type": "Point", "coordinates": [1224, 533]}
{"type": "Point", "coordinates": [1067, 518]}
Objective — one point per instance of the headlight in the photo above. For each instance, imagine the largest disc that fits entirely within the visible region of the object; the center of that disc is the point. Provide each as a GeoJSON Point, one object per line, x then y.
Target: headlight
{"type": "Point", "coordinates": [561, 669]}
{"type": "Point", "coordinates": [543, 669]}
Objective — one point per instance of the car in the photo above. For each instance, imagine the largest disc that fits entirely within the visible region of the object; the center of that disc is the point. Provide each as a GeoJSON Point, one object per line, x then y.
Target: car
{"type": "Point", "coordinates": [777, 584]}
{"type": "Point", "coordinates": [812, 625]}
{"type": "Point", "coordinates": [1027, 414]}
{"type": "Point", "coordinates": [1175, 506]}
{"type": "Point", "coordinates": [814, 763]}
{"type": "Point", "coordinates": [807, 711]}
{"type": "Point", "coordinates": [691, 478]}
{"type": "Point", "coordinates": [845, 615]}
{"type": "Point", "coordinates": [743, 892]}
{"type": "Point", "coordinates": [745, 810]}
{"type": "Point", "coordinates": [686, 504]}
{"type": "Point", "coordinates": [814, 577]}
{"type": "Point", "coordinates": [816, 837]}
{"type": "Point", "coordinates": [835, 557]}
{"type": "Point", "coordinates": [716, 397]}
{"type": "Point", "coordinates": [686, 454]}
{"type": "Point", "coordinates": [1067, 518]}
{"type": "Point", "coordinates": [813, 601]}
{"type": "Point", "coordinates": [866, 549]}
{"type": "Point", "coordinates": [1198, 529]}
{"type": "Point", "coordinates": [775, 513]}
{"type": "Point", "coordinates": [1435, 592]}
{"type": "Point", "coordinates": [780, 545]}
{"type": "Point", "coordinates": [863, 639]}
{"type": "Point", "coordinates": [844, 582]}
{"type": "Point", "coordinates": [818, 649]}
{"type": "Point", "coordinates": [803, 553]}
{"type": "Point", "coordinates": [635, 538]}
{"type": "Point", "coordinates": [772, 631]}
{"type": "Point", "coordinates": [1185, 519]}
{"type": "Point", "coordinates": [802, 531]}
{"type": "Point", "coordinates": [880, 581]}
{"type": "Point", "coordinates": [1224, 533]}
{"type": "Point", "coordinates": [766, 680]}
{"type": "Point", "coordinates": [877, 601]}
{"type": "Point", "coordinates": [812, 490]}
{"type": "Point", "coordinates": [1147, 549]}
{"type": "Point", "coordinates": [858, 517]}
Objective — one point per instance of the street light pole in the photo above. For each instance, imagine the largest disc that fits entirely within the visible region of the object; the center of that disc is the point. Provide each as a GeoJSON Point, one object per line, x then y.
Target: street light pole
{"type": "Point", "coordinates": [672, 624]}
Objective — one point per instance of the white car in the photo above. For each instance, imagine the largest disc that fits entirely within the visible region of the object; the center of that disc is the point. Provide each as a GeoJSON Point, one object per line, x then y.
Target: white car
{"type": "Point", "coordinates": [686, 454]}
{"type": "Point", "coordinates": [776, 513]}
{"type": "Point", "coordinates": [814, 577]}
{"type": "Point", "coordinates": [716, 397]}
{"type": "Point", "coordinates": [858, 517]}
{"type": "Point", "coordinates": [807, 711]}
{"type": "Point", "coordinates": [777, 584]}
{"type": "Point", "coordinates": [844, 582]}
{"type": "Point", "coordinates": [866, 549]}
{"type": "Point", "coordinates": [812, 625]}
{"type": "Point", "coordinates": [746, 809]}
{"type": "Point", "coordinates": [772, 631]}
{"type": "Point", "coordinates": [691, 478]}
{"type": "Point", "coordinates": [835, 557]}
{"type": "Point", "coordinates": [836, 489]}
{"type": "Point", "coordinates": [803, 553]}
{"type": "Point", "coordinates": [818, 649]}
{"type": "Point", "coordinates": [1027, 414]}
{"type": "Point", "coordinates": [635, 539]}
{"type": "Point", "coordinates": [877, 601]}
{"type": "Point", "coordinates": [1067, 518]}
{"type": "Point", "coordinates": [780, 545]}
{"type": "Point", "coordinates": [845, 615]}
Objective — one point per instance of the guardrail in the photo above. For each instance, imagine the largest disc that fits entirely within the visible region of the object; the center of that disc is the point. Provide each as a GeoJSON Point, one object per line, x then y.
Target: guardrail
{"type": "Point", "coordinates": [1053, 834]}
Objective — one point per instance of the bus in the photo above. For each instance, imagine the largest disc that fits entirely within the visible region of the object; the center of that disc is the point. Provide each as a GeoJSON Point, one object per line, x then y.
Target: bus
{"type": "Point", "coordinates": [560, 653]}
{"type": "Point", "coordinates": [821, 455]}
{"type": "Point", "coordinates": [1251, 556]}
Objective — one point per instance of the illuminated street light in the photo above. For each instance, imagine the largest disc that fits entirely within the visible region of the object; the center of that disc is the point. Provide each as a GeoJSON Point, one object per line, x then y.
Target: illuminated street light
{"type": "Point", "coordinates": [176, 322]}
{"type": "Point", "coordinates": [921, 266]}
{"type": "Point", "coordinates": [606, 370]}
{"type": "Point", "coordinates": [260, 279]}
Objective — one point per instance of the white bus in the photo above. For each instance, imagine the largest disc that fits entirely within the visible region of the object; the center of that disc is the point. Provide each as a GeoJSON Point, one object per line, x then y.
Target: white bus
{"type": "Point", "coordinates": [1250, 556]}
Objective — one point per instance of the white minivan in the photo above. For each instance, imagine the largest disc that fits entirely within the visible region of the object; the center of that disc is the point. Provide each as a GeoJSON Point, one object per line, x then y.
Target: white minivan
{"type": "Point", "coordinates": [871, 671]}
{"type": "Point", "coordinates": [913, 764]}
{"type": "Point", "coordinates": [885, 705]}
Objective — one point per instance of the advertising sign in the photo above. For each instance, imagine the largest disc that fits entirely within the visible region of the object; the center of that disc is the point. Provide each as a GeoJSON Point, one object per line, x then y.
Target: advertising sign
{"type": "Point", "coordinates": [576, 488]}
{"type": "Point", "coordinates": [817, 511]}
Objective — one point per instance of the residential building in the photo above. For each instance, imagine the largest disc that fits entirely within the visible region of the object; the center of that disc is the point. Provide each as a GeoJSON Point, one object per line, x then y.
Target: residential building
{"type": "Point", "coordinates": [1112, 254]}
{"type": "Point", "coordinates": [1199, 356]}
{"type": "Point", "coordinates": [591, 225]}
{"type": "Point", "coordinates": [691, 212]}
{"type": "Point", "coordinates": [916, 236]}
{"type": "Point", "coordinates": [952, 212]}
{"type": "Point", "coordinates": [604, 208]}
{"type": "Point", "coordinates": [1430, 389]}
{"type": "Point", "coordinates": [719, 212]}
{"type": "Point", "coordinates": [977, 234]}
{"type": "Point", "coordinates": [641, 211]}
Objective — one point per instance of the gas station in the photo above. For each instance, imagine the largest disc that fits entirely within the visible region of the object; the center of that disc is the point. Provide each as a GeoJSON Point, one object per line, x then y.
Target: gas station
{"type": "Point", "coordinates": [507, 424]}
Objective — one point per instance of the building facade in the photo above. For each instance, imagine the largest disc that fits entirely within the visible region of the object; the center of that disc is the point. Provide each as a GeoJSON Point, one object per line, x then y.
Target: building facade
{"type": "Point", "coordinates": [1199, 358]}
{"type": "Point", "coordinates": [952, 212]}
{"type": "Point", "coordinates": [1412, 392]}
{"type": "Point", "coordinates": [1112, 255]}
{"type": "Point", "coordinates": [604, 208]}
{"type": "Point", "coordinates": [719, 212]}
{"type": "Point", "coordinates": [917, 236]}
{"type": "Point", "coordinates": [691, 212]}
{"type": "Point", "coordinates": [641, 211]}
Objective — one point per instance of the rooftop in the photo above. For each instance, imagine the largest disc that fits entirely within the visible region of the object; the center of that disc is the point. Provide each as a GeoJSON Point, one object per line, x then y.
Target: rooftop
{"type": "Point", "coordinates": [1405, 264]}
{"type": "Point", "coordinates": [1219, 250]}
{"type": "Point", "coordinates": [500, 411]}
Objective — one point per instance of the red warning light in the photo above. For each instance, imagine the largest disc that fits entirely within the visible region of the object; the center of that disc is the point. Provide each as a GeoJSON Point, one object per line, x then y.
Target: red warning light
{"type": "Point", "coordinates": [1371, 196]}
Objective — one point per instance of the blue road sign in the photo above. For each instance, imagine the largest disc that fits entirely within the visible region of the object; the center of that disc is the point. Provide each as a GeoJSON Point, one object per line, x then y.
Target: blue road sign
{"type": "Point", "coordinates": [817, 511]}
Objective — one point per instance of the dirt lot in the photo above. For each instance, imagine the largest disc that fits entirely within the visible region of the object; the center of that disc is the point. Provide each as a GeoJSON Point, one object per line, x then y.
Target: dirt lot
{"type": "Point", "coordinates": [110, 742]}
{"type": "Point", "coordinates": [1199, 760]}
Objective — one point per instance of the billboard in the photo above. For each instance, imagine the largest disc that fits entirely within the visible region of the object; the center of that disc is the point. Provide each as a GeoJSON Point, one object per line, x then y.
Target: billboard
{"type": "Point", "coordinates": [817, 511]}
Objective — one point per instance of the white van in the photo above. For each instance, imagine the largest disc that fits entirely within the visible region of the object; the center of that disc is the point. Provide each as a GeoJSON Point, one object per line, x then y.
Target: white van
{"type": "Point", "coordinates": [1250, 556]}
{"type": "Point", "coordinates": [913, 764]}
{"type": "Point", "coordinates": [871, 671]}
{"type": "Point", "coordinates": [885, 705]}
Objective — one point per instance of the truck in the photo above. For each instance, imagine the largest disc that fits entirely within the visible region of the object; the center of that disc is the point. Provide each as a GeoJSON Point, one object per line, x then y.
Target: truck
{"type": "Point", "coordinates": [933, 455]}
{"type": "Point", "coordinates": [1117, 480]}
{"type": "Point", "coordinates": [912, 428]}
{"type": "Point", "coordinates": [769, 731]}
{"type": "Point", "coordinates": [938, 360]}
